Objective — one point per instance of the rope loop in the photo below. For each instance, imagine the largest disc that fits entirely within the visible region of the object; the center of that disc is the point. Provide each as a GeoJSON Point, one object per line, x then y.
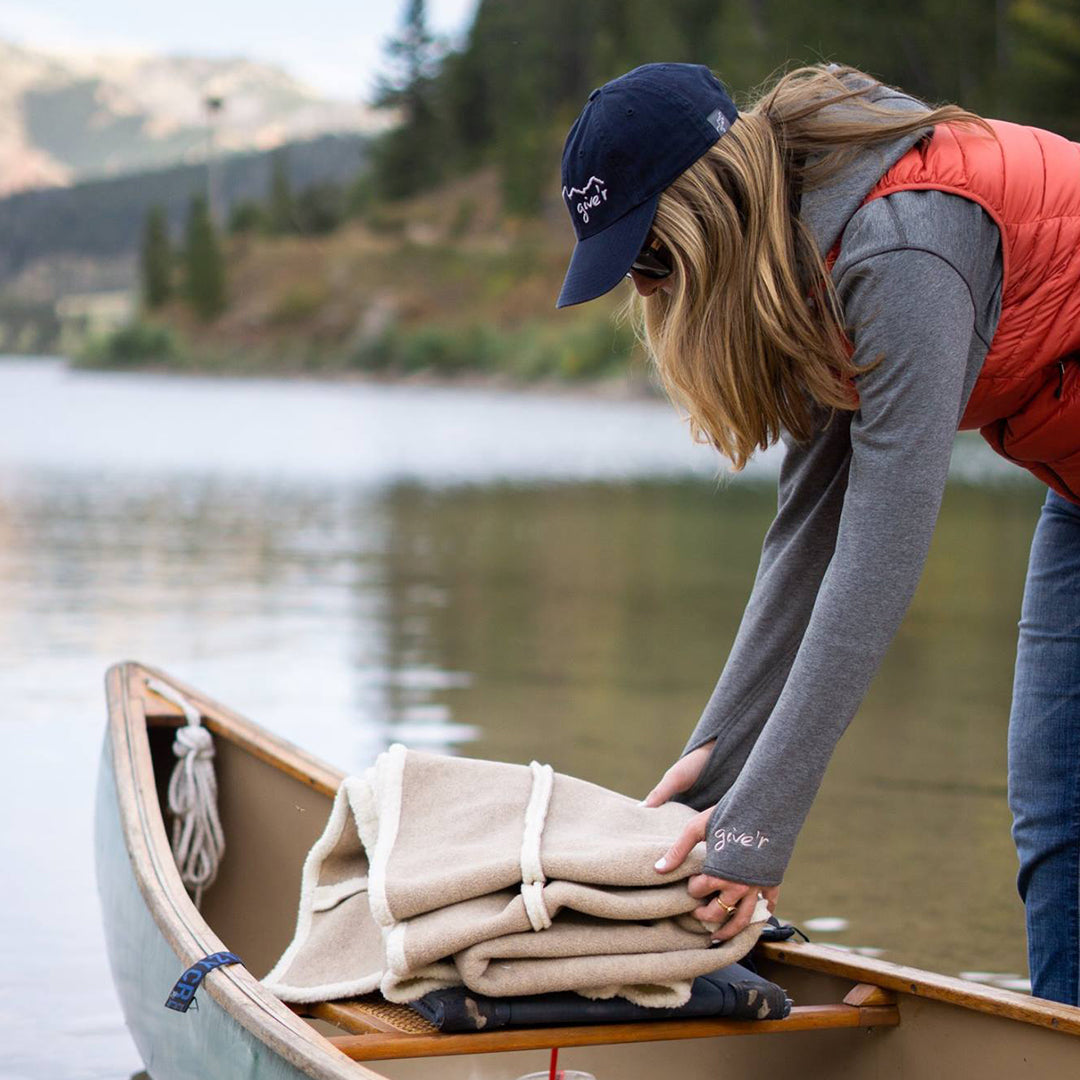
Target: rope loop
{"type": "Point", "coordinates": [198, 841]}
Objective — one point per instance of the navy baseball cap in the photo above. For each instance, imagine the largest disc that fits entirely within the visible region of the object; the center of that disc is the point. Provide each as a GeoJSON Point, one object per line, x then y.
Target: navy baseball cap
{"type": "Point", "coordinates": [635, 135]}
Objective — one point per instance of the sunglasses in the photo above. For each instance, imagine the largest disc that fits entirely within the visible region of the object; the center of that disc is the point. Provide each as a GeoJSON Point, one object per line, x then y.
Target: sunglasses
{"type": "Point", "coordinates": [653, 261]}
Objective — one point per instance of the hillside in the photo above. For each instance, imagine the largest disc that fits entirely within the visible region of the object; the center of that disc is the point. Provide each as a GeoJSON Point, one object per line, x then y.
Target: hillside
{"type": "Point", "coordinates": [84, 238]}
{"type": "Point", "coordinates": [69, 118]}
{"type": "Point", "coordinates": [443, 283]}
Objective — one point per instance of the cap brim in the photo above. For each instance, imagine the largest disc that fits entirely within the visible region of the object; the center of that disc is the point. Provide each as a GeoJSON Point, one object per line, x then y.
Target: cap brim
{"type": "Point", "coordinates": [600, 262]}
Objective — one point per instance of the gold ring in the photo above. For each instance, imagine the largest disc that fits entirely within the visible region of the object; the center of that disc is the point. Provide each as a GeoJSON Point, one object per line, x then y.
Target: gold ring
{"type": "Point", "coordinates": [729, 910]}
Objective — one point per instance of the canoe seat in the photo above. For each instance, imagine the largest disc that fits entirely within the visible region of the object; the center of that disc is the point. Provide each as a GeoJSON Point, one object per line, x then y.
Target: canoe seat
{"type": "Point", "coordinates": [380, 1029]}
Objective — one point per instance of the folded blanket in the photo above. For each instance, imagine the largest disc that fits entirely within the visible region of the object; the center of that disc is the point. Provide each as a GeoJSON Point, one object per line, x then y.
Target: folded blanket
{"type": "Point", "coordinates": [437, 871]}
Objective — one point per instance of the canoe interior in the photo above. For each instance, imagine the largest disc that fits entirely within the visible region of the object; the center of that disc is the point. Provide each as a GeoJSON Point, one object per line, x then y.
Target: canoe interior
{"type": "Point", "coordinates": [273, 809]}
{"type": "Point", "coordinates": [270, 820]}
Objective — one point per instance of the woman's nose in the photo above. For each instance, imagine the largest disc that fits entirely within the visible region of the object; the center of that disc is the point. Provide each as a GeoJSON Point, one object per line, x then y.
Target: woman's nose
{"type": "Point", "coordinates": [646, 286]}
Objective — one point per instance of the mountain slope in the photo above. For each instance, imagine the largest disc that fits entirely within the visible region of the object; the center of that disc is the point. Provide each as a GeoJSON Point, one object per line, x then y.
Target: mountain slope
{"type": "Point", "coordinates": [69, 118]}
{"type": "Point", "coordinates": [83, 237]}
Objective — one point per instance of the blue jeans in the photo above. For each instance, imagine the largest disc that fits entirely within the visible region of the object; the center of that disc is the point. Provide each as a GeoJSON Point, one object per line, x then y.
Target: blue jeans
{"type": "Point", "coordinates": [1044, 753]}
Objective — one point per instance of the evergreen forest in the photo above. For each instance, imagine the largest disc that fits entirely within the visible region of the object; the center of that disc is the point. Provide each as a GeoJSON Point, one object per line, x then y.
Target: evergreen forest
{"type": "Point", "coordinates": [445, 250]}
{"type": "Point", "coordinates": [509, 93]}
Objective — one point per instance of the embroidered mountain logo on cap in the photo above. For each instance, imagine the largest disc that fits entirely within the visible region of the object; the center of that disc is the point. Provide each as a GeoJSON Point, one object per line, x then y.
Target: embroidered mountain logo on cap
{"type": "Point", "coordinates": [591, 195]}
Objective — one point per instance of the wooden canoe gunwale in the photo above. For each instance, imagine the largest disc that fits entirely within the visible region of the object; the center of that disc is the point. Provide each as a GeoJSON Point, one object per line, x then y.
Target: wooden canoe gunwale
{"type": "Point", "coordinates": [234, 989]}
{"type": "Point", "coordinates": [914, 982]}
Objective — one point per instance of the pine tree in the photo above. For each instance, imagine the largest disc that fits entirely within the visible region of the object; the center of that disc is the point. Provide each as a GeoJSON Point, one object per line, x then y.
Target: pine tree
{"type": "Point", "coordinates": [247, 216]}
{"type": "Point", "coordinates": [1045, 75]}
{"type": "Point", "coordinates": [282, 209]}
{"type": "Point", "coordinates": [155, 261]}
{"type": "Point", "coordinates": [203, 263]}
{"type": "Point", "coordinates": [411, 157]}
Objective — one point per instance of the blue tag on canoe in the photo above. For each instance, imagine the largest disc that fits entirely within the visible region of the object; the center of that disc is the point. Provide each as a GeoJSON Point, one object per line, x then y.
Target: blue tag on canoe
{"type": "Point", "coordinates": [183, 993]}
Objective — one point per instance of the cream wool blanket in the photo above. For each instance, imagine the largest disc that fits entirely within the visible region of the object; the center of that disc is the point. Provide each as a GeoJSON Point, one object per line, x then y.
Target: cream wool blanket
{"type": "Point", "coordinates": [438, 871]}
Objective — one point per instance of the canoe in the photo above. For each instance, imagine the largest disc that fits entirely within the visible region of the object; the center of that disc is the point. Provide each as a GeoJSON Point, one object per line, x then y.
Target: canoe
{"type": "Point", "coordinates": [853, 1017]}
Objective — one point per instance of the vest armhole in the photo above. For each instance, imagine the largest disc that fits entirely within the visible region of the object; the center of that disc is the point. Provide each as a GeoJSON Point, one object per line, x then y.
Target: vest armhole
{"type": "Point", "coordinates": [882, 189]}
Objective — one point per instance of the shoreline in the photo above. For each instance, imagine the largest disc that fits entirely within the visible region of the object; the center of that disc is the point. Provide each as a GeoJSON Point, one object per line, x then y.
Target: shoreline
{"type": "Point", "coordinates": [632, 384]}
{"type": "Point", "coordinates": [624, 386]}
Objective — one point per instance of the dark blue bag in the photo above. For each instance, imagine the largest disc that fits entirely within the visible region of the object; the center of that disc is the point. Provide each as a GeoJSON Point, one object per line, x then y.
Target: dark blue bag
{"type": "Point", "coordinates": [733, 991]}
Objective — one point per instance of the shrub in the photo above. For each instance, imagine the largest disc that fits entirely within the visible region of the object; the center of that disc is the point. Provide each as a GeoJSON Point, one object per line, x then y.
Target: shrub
{"type": "Point", "coordinates": [247, 217]}
{"type": "Point", "coordinates": [136, 345]}
{"type": "Point", "coordinates": [535, 351]}
{"type": "Point", "coordinates": [319, 208]}
{"type": "Point", "coordinates": [595, 348]}
{"type": "Point", "coordinates": [430, 348]}
{"type": "Point", "coordinates": [583, 350]}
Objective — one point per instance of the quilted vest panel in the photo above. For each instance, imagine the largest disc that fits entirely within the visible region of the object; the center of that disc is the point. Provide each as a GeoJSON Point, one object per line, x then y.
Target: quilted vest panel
{"type": "Point", "coordinates": [1026, 401]}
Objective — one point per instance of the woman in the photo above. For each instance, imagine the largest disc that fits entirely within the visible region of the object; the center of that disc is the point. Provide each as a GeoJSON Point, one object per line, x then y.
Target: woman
{"type": "Point", "coordinates": [844, 269]}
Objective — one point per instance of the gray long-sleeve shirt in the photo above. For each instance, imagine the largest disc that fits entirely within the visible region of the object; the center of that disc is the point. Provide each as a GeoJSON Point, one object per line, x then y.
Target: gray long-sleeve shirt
{"type": "Point", "coordinates": [919, 277]}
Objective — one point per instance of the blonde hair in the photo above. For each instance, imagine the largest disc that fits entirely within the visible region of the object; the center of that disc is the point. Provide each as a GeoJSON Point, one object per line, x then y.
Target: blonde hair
{"type": "Point", "coordinates": [751, 339]}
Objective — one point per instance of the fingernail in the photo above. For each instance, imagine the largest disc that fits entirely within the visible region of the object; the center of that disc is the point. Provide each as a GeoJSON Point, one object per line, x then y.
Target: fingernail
{"type": "Point", "coordinates": [661, 863]}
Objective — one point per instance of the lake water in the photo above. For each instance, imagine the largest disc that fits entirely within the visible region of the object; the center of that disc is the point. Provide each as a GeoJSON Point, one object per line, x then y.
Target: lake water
{"type": "Point", "coordinates": [497, 574]}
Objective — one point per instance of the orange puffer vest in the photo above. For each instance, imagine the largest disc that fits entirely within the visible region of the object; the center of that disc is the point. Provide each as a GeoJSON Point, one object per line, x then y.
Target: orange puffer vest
{"type": "Point", "coordinates": [1026, 401]}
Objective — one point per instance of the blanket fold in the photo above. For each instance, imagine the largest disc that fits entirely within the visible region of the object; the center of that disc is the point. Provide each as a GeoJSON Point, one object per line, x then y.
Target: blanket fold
{"type": "Point", "coordinates": [437, 871]}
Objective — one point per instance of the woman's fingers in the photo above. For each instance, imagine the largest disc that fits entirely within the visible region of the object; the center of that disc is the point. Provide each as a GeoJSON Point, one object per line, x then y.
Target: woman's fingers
{"type": "Point", "coordinates": [740, 917]}
{"type": "Point", "coordinates": [720, 897]}
{"type": "Point", "coordinates": [669, 785]}
{"type": "Point", "coordinates": [693, 833]}
{"type": "Point", "coordinates": [729, 903]}
{"type": "Point", "coordinates": [702, 885]}
{"type": "Point", "coordinates": [721, 905]}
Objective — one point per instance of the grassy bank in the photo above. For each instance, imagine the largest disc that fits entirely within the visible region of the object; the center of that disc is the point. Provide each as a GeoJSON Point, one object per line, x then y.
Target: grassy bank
{"type": "Point", "coordinates": [535, 350]}
{"type": "Point", "coordinates": [446, 284]}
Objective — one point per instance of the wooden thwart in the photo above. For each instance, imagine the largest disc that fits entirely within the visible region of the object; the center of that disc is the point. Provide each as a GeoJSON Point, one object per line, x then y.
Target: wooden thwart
{"type": "Point", "coordinates": [377, 1036]}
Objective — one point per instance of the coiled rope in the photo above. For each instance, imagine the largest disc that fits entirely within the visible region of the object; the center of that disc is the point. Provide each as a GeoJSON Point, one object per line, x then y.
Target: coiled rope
{"type": "Point", "coordinates": [198, 842]}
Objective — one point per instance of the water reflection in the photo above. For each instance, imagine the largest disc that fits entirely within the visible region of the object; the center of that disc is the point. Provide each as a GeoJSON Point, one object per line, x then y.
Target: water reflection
{"type": "Point", "coordinates": [509, 617]}
{"type": "Point", "coordinates": [594, 619]}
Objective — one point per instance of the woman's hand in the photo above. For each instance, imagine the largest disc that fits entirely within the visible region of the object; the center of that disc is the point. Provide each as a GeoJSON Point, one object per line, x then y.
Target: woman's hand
{"type": "Point", "coordinates": [735, 894]}
{"type": "Point", "coordinates": [681, 776]}
{"type": "Point", "coordinates": [732, 902]}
